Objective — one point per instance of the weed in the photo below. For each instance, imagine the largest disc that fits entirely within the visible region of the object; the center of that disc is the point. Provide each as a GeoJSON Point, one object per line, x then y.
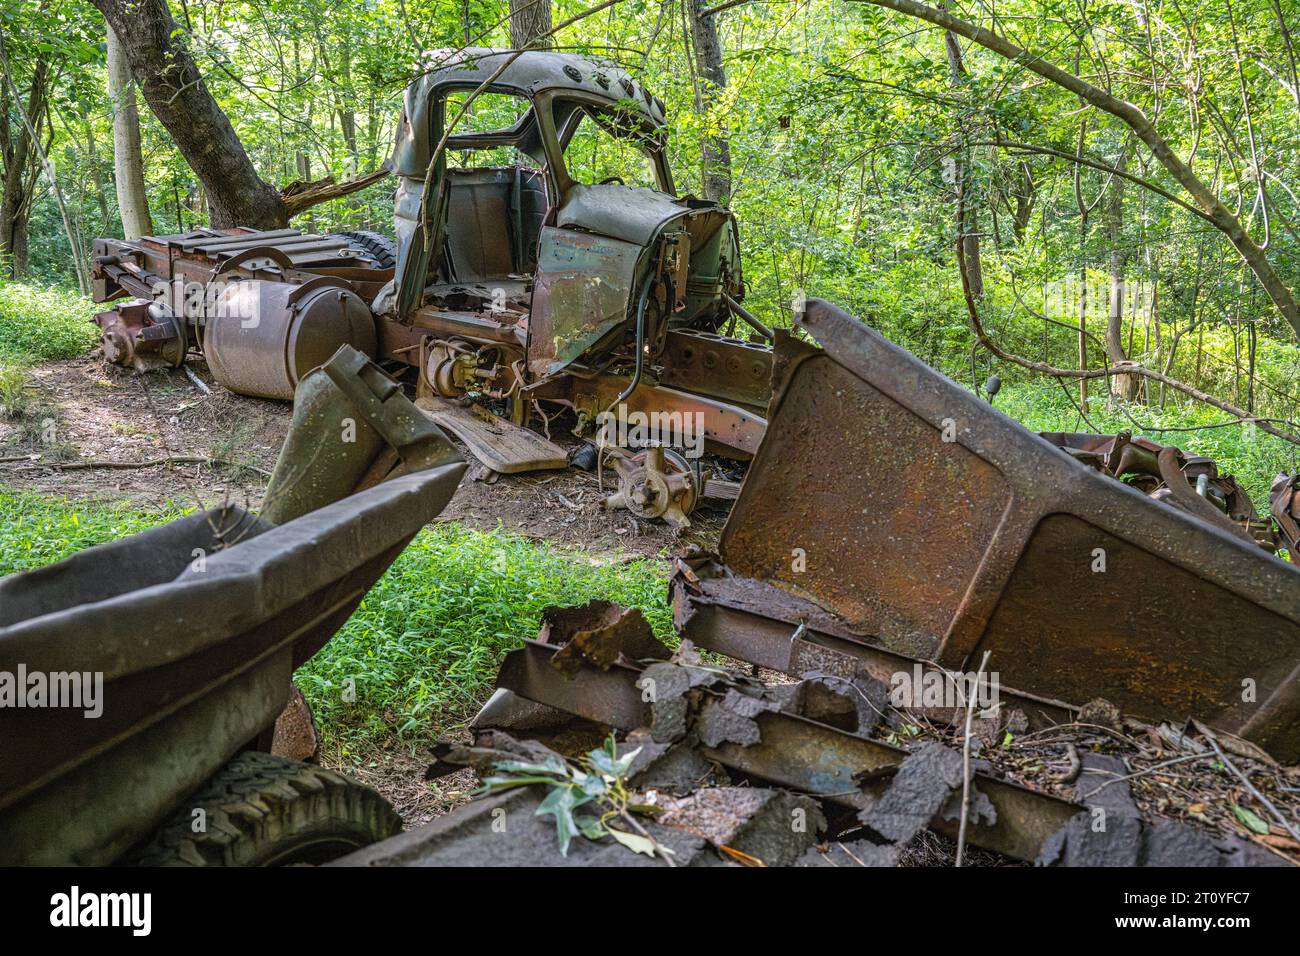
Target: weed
{"type": "Point", "coordinates": [14, 400]}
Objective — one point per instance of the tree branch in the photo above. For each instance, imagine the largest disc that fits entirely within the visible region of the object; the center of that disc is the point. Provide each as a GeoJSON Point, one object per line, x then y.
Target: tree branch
{"type": "Point", "coordinates": [1215, 211]}
{"type": "Point", "coordinates": [300, 196]}
{"type": "Point", "coordinates": [972, 310]}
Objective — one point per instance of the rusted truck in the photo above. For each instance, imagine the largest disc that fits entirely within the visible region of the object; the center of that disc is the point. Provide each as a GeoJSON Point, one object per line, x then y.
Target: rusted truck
{"type": "Point", "coordinates": [543, 259]}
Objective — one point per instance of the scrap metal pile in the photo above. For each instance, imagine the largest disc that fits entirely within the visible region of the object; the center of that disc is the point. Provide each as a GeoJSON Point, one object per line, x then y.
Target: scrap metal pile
{"type": "Point", "coordinates": [725, 768]}
{"type": "Point", "coordinates": [1144, 656]}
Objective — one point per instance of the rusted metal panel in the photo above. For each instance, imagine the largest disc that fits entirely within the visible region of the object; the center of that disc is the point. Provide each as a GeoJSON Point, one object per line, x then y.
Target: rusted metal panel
{"type": "Point", "coordinates": [814, 758]}
{"type": "Point", "coordinates": [607, 697]}
{"type": "Point", "coordinates": [935, 526]}
{"type": "Point", "coordinates": [762, 624]}
{"type": "Point", "coordinates": [584, 284]}
{"type": "Point", "coordinates": [1284, 506]}
{"type": "Point", "coordinates": [839, 497]}
{"type": "Point", "coordinates": [730, 430]}
{"type": "Point", "coordinates": [728, 369]}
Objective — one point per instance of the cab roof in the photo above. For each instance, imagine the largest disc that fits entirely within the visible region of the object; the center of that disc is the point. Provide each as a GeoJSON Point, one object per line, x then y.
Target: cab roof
{"type": "Point", "coordinates": [535, 71]}
{"type": "Point", "coordinates": [530, 73]}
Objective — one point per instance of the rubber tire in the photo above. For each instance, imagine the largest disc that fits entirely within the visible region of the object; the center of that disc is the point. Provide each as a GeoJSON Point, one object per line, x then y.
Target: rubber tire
{"type": "Point", "coordinates": [380, 248]}
{"type": "Point", "coordinates": [263, 810]}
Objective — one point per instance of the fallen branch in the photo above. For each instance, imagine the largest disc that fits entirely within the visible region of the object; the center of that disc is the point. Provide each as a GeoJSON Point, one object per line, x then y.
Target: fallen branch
{"type": "Point", "coordinates": [301, 196]}
{"type": "Point", "coordinates": [965, 763]}
{"type": "Point", "coordinates": [1254, 791]}
{"type": "Point", "coordinates": [197, 382]}
{"type": "Point", "coordinates": [125, 465]}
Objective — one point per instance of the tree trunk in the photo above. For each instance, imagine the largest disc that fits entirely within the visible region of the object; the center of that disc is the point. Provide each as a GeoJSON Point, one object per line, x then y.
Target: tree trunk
{"type": "Point", "coordinates": [96, 171]}
{"type": "Point", "coordinates": [174, 89]}
{"type": "Point", "coordinates": [1024, 197]}
{"type": "Point", "coordinates": [1122, 386]}
{"type": "Point", "coordinates": [530, 21]}
{"type": "Point", "coordinates": [1083, 266]}
{"type": "Point", "coordinates": [968, 218]}
{"type": "Point", "coordinates": [128, 161]}
{"type": "Point", "coordinates": [21, 164]}
{"type": "Point", "coordinates": [345, 97]}
{"type": "Point", "coordinates": [711, 83]}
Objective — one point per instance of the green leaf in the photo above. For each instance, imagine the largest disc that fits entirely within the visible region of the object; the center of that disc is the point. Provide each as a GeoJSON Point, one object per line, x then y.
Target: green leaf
{"type": "Point", "coordinates": [633, 841]}
{"type": "Point", "coordinates": [560, 803]}
{"type": "Point", "coordinates": [592, 785]}
{"type": "Point", "coordinates": [1249, 820]}
{"type": "Point", "coordinates": [604, 761]}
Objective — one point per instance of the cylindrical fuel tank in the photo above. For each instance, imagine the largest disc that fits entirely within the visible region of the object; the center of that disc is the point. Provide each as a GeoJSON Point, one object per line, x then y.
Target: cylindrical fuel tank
{"type": "Point", "coordinates": [265, 336]}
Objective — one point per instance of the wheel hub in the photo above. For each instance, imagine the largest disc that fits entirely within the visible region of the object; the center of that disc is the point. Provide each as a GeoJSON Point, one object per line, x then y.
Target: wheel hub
{"type": "Point", "coordinates": [655, 483]}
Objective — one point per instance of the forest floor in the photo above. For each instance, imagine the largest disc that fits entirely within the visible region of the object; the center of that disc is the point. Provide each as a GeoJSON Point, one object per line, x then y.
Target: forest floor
{"type": "Point", "coordinates": [106, 421]}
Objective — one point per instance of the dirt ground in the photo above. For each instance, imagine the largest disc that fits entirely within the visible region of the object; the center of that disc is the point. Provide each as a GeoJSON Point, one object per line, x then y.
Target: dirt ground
{"type": "Point", "coordinates": [107, 420]}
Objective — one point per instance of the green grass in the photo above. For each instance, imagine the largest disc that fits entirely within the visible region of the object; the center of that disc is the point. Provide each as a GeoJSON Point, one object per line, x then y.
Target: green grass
{"type": "Point", "coordinates": [426, 641]}
{"type": "Point", "coordinates": [1253, 456]}
{"type": "Point", "coordinates": [38, 323]}
{"type": "Point", "coordinates": [38, 530]}
{"type": "Point", "coordinates": [423, 648]}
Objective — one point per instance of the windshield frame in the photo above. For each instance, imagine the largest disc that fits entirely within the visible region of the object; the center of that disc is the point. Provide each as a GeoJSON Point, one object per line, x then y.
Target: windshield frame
{"type": "Point", "coordinates": [649, 139]}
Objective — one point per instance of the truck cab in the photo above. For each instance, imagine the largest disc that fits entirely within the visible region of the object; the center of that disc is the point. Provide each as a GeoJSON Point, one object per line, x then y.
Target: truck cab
{"type": "Point", "coordinates": [540, 237]}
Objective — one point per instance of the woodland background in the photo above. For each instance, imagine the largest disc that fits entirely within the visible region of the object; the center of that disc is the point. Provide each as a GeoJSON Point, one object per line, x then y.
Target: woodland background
{"type": "Point", "coordinates": [856, 144]}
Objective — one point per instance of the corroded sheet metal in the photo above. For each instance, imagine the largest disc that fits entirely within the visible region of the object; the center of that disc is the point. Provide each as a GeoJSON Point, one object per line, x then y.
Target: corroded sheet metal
{"type": "Point", "coordinates": [584, 283]}
{"type": "Point", "coordinates": [927, 522]}
{"type": "Point", "coordinates": [762, 624]}
{"type": "Point", "coordinates": [728, 369]}
{"type": "Point", "coordinates": [1284, 505]}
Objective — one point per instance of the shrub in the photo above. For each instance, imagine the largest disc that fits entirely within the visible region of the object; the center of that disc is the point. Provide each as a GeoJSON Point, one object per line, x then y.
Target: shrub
{"type": "Point", "coordinates": [38, 324]}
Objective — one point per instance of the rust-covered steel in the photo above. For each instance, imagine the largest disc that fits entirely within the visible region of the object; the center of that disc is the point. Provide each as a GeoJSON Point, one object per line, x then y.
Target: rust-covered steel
{"type": "Point", "coordinates": [194, 628]}
{"type": "Point", "coordinates": [791, 751]}
{"type": "Point", "coordinates": [264, 307]}
{"type": "Point", "coordinates": [1284, 506]}
{"type": "Point", "coordinates": [765, 625]}
{"type": "Point", "coordinates": [916, 519]}
{"type": "Point", "coordinates": [1166, 473]}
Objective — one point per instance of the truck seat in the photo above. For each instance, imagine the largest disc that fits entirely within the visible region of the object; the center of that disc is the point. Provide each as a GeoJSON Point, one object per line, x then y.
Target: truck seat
{"type": "Point", "coordinates": [494, 222]}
